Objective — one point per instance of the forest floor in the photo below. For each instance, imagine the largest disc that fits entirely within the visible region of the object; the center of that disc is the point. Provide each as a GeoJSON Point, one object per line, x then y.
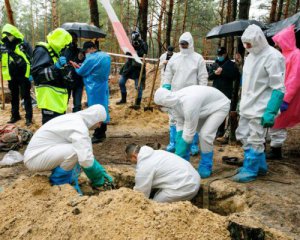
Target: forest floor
{"type": "Point", "coordinates": [268, 208]}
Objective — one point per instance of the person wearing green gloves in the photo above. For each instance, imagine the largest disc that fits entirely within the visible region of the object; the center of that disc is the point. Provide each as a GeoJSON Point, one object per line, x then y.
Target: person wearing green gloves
{"type": "Point", "coordinates": [262, 95]}
{"type": "Point", "coordinates": [196, 109]}
{"type": "Point", "coordinates": [64, 142]}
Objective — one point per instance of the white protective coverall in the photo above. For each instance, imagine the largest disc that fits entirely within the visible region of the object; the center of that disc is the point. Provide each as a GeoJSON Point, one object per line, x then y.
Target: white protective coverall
{"type": "Point", "coordinates": [162, 66]}
{"type": "Point", "coordinates": [185, 68]}
{"type": "Point", "coordinates": [263, 72]}
{"type": "Point", "coordinates": [64, 141]}
{"type": "Point", "coordinates": [199, 109]}
{"type": "Point", "coordinates": [176, 179]}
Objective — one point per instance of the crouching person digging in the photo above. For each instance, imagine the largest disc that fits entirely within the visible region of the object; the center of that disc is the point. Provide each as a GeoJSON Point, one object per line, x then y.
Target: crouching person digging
{"type": "Point", "coordinates": [174, 178]}
{"type": "Point", "coordinates": [63, 143]}
{"type": "Point", "coordinates": [196, 109]}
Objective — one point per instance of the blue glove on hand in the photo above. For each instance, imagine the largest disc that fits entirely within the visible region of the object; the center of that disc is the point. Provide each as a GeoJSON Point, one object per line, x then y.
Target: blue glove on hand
{"type": "Point", "coordinates": [30, 78]}
{"type": "Point", "coordinates": [284, 106]}
{"type": "Point", "coordinates": [167, 86]}
{"type": "Point", "coordinates": [61, 62]}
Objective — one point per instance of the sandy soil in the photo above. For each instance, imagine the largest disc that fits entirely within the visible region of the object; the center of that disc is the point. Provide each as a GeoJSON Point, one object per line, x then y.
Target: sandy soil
{"type": "Point", "coordinates": [31, 209]}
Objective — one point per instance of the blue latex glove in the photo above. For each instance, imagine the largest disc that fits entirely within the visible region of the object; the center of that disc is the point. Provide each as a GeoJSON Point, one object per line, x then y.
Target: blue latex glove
{"type": "Point", "coordinates": [167, 86]}
{"type": "Point", "coordinates": [61, 62]}
{"type": "Point", "coordinates": [97, 174]}
{"type": "Point", "coordinates": [284, 106]}
{"type": "Point", "coordinates": [30, 78]}
{"type": "Point", "coordinates": [272, 109]}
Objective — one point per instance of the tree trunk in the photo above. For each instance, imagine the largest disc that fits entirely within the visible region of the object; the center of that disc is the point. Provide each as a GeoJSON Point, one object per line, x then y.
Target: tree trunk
{"type": "Point", "coordinates": [273, 11]}
{"type": "Point", "coordinates": [279, 12]}
{"type": "Point", "coordinates": [45, 20]}
{"type": "Point", "coordinates": [244, 9]}
{"type": "Point", "coordinates": [94, 12]}
{"type": "Point", "coordinates": [297, 6]}
{"type": "Point", "coordinates": [286, 9]}
{"type": "Point", "coordinates": [32, 24]}
{"type": "Point", "coordinates": [143, 18]}
{"type": "Point", "coordinates": [177, 27]}
{"type": "Point", "coordinates": [169, 25]}
{"type": "Point", "coordinates": [9, 12]}
{"type": "Point", "coordinates": [234, 10]}
{"type": "Point", "coordinates": [159, 30]}
{"type": "Point", "coordinates": [222, 3]}
{"type": "Point", "coordinates": [54, 14]}
{"type": "Point", "coordinates": [184, 16]}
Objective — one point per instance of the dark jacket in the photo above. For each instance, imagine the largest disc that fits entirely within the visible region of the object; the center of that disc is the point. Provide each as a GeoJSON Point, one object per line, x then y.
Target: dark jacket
{"type": "Point", "coordinates": [226, 81]}
{"type": "Point", "coordinates": [131, 68]}
{"type": "Point", "coordinates": [71, 53]}
{"type": "Point", "coordinates": [43, 70]}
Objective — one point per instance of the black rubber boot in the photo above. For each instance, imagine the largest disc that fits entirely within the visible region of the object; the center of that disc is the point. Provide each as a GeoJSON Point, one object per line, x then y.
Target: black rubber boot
{"type": "Point", "coordinates": [138, 101]}
{"type": "Point", "coordinates": [275, 153]}
{"type": "Point", "coordinates": [99, 134]}
{"type": "Point", "coordinates": [123, 99]}
{"type": "Point", "coordinates": [14, 119]}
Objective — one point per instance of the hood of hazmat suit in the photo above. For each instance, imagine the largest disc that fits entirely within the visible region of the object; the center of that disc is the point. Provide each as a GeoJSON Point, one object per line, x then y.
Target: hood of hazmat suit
{"type": "Point", "coordinates": [190, 104]}
{"type": "Point", "coordinates": [165, 171]}
{"type": "Point", "coordinates": [58, 39]}
{"type": "Point", "coordinates": [185, 68]}
{"type": "Point", "coordinates": [263, 72]}
{"type": "Point", "coordinates": [65, 130]}
{"type": "Point", "coordinates": [286, 40]}
{"type": "Point", "coordinates": [8, 28]}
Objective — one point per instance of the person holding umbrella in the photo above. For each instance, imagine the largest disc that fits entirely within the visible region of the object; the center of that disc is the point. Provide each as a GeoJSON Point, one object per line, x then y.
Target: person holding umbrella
{"type": "Point", "coordinates": [95, 72]}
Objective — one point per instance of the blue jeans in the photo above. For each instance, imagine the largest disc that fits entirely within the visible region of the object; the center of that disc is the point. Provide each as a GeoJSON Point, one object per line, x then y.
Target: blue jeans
{"type": "Point", "coordinates": [77, 96]}
{"type": "Point", "coordinates": [122, 84]}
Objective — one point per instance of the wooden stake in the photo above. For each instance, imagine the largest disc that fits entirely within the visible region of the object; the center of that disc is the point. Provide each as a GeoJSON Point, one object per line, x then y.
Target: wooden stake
{"type": "Point", "coordinates": [2, 87]}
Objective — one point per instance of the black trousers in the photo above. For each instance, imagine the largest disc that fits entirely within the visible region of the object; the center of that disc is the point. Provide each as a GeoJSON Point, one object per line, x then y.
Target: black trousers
{"type": "Point", "coordinates": [47, 115]}
{"type": "Point", "coordinates": [15, 85]}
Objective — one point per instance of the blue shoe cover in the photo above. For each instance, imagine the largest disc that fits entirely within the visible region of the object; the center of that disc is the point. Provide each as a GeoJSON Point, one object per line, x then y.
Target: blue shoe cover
{"type": "Point", "coordinates": [205, 166]}
{"type": "Point", "coordinates": [60, 176]}
{"type": "Point", "coordinates": [172, 144]}
{"type": "Point", "coordinates": [194, 147]}
{"type": "Point", "coordinates": [263, 167]}
{"type": "Point", "coordinates": [250, 169]}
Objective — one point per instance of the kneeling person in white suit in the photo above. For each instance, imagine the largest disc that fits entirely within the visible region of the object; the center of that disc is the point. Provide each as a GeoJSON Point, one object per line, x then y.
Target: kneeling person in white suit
{"type": "Point", "coordinates": [175, 178]}
{"type": "Point", "coordinates": [62, 143]}
{"type": "Point", "coordinates": [196, 109]}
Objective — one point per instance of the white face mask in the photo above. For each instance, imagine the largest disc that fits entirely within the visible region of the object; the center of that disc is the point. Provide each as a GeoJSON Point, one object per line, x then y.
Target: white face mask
{"type": "Point", "coordinates": [87, 54]}
{"type": "Point", "coordinates": [165, 109]}
{"type": "Point", "coordinates": [10, 38]}
{"type": "Point", "coordinates": [185, 51]}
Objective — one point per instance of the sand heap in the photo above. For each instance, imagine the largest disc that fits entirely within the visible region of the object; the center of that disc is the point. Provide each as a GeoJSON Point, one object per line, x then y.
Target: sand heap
{"type": "Point", "coordinates": [31, 208]}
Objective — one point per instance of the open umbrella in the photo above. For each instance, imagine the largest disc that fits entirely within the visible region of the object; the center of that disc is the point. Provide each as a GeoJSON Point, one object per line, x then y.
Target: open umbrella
{"type": "Point", "coordinates": [276, 27]}
{"type": "Point", "coordinates": [235, 28]}
{"type": "Point", "coordinates": [84, 30]}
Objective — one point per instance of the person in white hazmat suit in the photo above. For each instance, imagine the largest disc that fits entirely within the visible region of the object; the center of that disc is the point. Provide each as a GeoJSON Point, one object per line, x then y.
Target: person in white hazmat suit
{"type": "Point", "coordinates": [163, 62]}
{"type": "Point", "coordinates": [196, 109]}
{"type": "Point", "coordinates": [175, 179]}
{"type": "Point", "coordinates": [63, 142]}
{"type": "Point", "coordinates": [262, 95]}
{"type": "Point", "coordinates": [184, 69]}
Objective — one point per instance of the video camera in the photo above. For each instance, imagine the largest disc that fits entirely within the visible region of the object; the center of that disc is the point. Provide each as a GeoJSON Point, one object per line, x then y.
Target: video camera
{"type": "Point", "coordinates": [135, 37]}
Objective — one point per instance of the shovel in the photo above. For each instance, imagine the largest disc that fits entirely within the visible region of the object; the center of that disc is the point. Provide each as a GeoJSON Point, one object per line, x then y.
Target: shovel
{"type": "Point", "coordinates": [148, 108]}
{"type": "Point", "coordinates": [136, 107]}
{"type": "Point", "coordinates": [2, 87]}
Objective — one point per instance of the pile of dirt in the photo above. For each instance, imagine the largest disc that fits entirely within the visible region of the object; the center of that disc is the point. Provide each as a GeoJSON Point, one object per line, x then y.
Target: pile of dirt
{"type": "Point", "coordinates": [31, 208]}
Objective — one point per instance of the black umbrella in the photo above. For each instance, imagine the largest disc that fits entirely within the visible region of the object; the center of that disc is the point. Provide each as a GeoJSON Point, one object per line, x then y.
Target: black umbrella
{"type": "Point", "coordinates": [84, 30]}
{"type": "Point", "coordinates": [276, 27]}
{"type": "Point", "coordinates": [235, 28]}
